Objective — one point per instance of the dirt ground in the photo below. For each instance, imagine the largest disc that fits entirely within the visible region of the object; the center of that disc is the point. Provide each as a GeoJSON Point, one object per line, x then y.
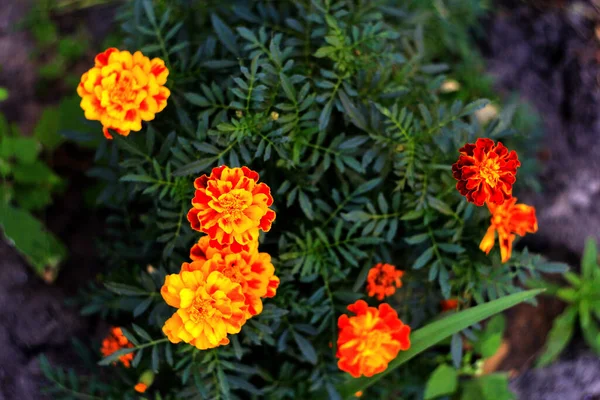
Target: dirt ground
{"type": "Point", "coordinates": [549, 54]}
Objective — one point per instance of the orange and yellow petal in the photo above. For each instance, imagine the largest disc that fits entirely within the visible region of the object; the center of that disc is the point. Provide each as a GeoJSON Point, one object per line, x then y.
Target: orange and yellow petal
{"type": "Point", "coordinates": [230, 206]}
{"type": "Point", "coordinates": [140, 387]}
{"type": "Point", "coordinates": [123, 89]}
{"type": "Point", "coordinates": [209, 306]}
{"type": "Point", "coordinates": [368, 341]}
{"type": "Point", "coordinates": [115, 341]}
{"type": "Point", "coordinates": [508, 220]}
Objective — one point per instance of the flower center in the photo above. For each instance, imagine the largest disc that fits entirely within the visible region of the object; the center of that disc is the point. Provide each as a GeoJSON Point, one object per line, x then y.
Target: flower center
{"type": "Point", "coordinates": [489, 171]}
{"type": "Point", "coordinates": [234, 203]}
{"type": "Point", "coordinates": [199, 309]}
{"type": "Point", "coordinates": [123, 92]}
{"type": "Point", "coordinates": [373, 340]}
{"type": "Point", "coordinates": [233, 273]}
{"type": "Point", "coordinates": [383, 279]}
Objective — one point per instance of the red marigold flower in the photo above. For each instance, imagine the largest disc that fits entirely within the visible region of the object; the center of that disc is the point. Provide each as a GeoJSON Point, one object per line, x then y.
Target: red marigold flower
{"type": "Point", "coordinates": [450, 304]}
{"type": "Point", "coordinates": [231, 206]}
{"type": "Point", "coordinates": [368, 341]}
{"type": "Point", "coordinates": [486, 172]}
{"type": "Point", "coordinates": [114, 341]}
{"type": "Point", "coordinates": [508, 219]}
{"type": "Point", "coordinates": [382, 281]}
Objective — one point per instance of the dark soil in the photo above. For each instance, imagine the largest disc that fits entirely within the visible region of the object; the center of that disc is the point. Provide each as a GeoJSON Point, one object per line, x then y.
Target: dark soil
{"type": "Point", "coordinates": [34, 318]}
{"type": "Point", "coordinates": [548, 52]}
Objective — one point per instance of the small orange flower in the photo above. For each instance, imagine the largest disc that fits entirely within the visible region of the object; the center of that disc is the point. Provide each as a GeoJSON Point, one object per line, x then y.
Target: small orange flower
{"type": "Point", "coordinates": [370, 340]}
{"type": "Point", "coordinates": [209, 307]}
{"type": "Point", "coordinates": [508, 220]}
{"type": "Point", "coordinates": [252, 270]}
{"type": "Point", "coordinates": [231, 206]}
{"type": "Point", "coordinates": [450, 304]}
{"type": "Point", "coordinates": [122, 90]}
{"type": "Point", "coordinates": [382, 281]}
{"type": "Point", "coordinates": [358, 394]}
{"type": "Point", "coordinates": [486, 172]}
{"type": "Point", "coordinates": [140, 387]}
{"type": "Point", "coordinates": [116, 341]}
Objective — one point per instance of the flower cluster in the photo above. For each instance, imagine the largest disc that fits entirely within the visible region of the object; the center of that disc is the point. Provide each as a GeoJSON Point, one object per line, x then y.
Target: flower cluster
{"type": "Point", "coordinates": [223, 286]}
{"type": "Point", "coordinates": [115, 341]}
{"type": "Point", "coordinates": [123, 89]}
{"type": "Point", "coordinates": [486, 172]}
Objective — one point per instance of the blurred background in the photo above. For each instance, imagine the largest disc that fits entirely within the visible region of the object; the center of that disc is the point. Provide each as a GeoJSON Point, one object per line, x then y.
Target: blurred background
{"type": "Point", "coordinates": [546, 54]}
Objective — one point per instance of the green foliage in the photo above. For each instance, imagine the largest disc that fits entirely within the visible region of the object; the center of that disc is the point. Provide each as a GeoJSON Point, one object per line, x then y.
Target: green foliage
{"type": "Point", "coordinates": [583, 299]}
{"type": "Point", "coordinates": [27, 186]}
{"type": "Point", "coordinates": [338, 105]}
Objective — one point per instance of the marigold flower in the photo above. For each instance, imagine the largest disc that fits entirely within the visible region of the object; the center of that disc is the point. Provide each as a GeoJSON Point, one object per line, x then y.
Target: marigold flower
{"type": "Point", "coordinates": [508, 219]}
{"type": "Point", "coordinates": [382, 281]}
{"type": "Point", "coordinates": [114, 341]}
{"type": "Point", "coordinates": [358, 394]}
{"type": "Point", "coordinates": [449, 304]}
{"type": "Point", "coordinates": [122, 90]}
{"type": "Point", "coordinates": [368, 341]}
{"type": "Point", "coordinates": [231, 206]}
{"type": "Point", "coordinates": [140, 387]}
{"type": "Point", "coordinates": [209, 307]}
{"type": "Point", "coordinates": [486, 172]}
{"type": "Point", "coordinates": [252, 270]}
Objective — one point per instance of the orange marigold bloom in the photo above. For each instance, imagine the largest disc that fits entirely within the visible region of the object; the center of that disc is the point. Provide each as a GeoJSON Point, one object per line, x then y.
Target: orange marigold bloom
{"type": "Point", "coordinates": [140, 387]}
{"type": "Point", "coordinates": [231, 206]}
{"type": "Point", "coordinates": [252, 270]}
{"type": "Point", "coordinates": [114, 341]}
{"type": "Point", "coordinates": [486, 172]}
{"type": "Point", "coordinates": [508, 219]}
{"type": "Point", "coordinates": [209, 307]}
{"type": "Point", "coordinates": [382, 281]}
{"type": "Point", "coordinates": [358, 394]}
{"type": "Point", "coordinates": [370, 340]}
{"type": "Point", "coordinates": [123, 89]}
{"type": "Point", "coordinates": [450, 304]}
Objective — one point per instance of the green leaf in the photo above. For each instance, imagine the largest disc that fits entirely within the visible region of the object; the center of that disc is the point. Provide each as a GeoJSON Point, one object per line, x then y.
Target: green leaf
{"type": "Point", "coordinates": [306, 206]}
{"type": "Point", "coordinates": [307, 349]}
{"type": "Point", "coordinates": [115, 356]}
{"type": "Point", "coordinates": [474, 106]}
{"type": "Point", "coordinates": [137, 178]}
{"type": "Point", "coordinates": [430, 335]}
{"type": "Point", "coordinates": [589, 262]}
{"type": "Point", "coordinates": [3, 94]}
{"type": "Point", "coordinates": [423, 259]}
{"type": "Point", "coordinates": [487, 387]}
{"type": "Point", "coordinates": [224, 33]}
{"type": "Point", "coordinates": [23, 149]}
{"type": "Point", "coordinates": [42, 250]}
{"type": "Point", "coordinates": [443, 381]}
{"type": "Point", "coordinates": [288, 87]}
{"type": "Point", "coordinates": [559, 336]}
{"type": "Point", "coordinates": [47, 129]}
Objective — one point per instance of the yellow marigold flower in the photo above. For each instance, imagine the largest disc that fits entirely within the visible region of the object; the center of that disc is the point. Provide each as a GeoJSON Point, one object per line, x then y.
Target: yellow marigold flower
{"type": "Point", "coordinates": [115, 341]}
{"type": "Point", "coordinates": [368, 341]}
{"type": "Point", "coordinates": [122, 90]}
{"type": "Point", "coordinates": [209, 307]}
{"type": "Point", "coordinates": [231, 206]}
{"type": "Point", "coordinates": [508, 219]}
{"type": "Point", "coordinates": [252, 270]}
